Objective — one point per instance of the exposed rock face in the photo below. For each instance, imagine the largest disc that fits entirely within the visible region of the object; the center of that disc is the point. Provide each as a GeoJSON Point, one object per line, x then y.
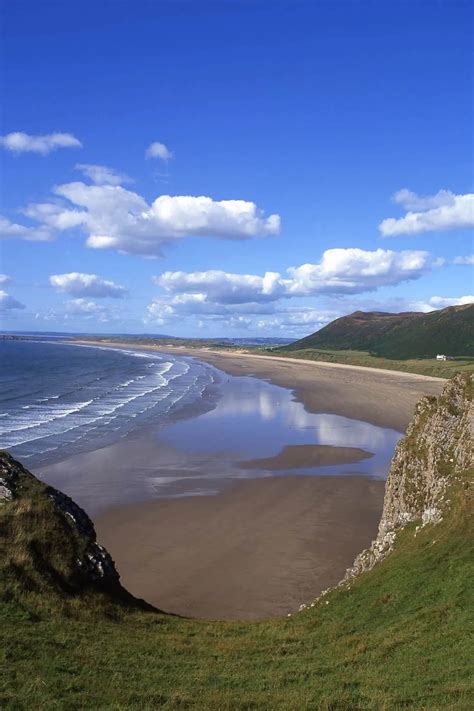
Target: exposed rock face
{"type": "Point", "coordinates": [437, 446]}
{"type": "Point", "coordinates": [93, 563]}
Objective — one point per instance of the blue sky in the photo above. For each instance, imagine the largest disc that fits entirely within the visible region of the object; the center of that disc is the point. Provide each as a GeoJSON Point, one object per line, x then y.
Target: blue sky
{"type": "Point", "coordinates": [326, 145]}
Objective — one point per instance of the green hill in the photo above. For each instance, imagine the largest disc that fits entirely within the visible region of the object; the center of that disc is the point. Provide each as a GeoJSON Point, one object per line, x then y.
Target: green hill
{"type": "Point", "coordinates": [398, 336]}
{"type": "Point", "coordinates": [394, 635]}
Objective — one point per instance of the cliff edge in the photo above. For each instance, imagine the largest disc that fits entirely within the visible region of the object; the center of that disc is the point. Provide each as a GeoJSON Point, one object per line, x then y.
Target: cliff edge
{"type": "Point", "coordinates": [436, 449]}
{"type": "Point", "coordinates": [48, 546]}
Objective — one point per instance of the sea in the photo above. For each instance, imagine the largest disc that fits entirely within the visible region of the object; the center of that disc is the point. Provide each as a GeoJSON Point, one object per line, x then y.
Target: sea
{"type": "Point", "coordinates": [59, 399]}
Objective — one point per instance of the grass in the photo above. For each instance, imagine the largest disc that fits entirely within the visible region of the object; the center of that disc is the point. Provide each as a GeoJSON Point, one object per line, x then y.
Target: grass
{"type": "Point", "coordinates": [423, 366]}
{"type": "Point", "coordinates": [396, 639]}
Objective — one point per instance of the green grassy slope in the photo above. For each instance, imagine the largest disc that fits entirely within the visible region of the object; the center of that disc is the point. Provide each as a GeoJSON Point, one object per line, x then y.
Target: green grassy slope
{"type": "Point", "coordinates": [396, 638]}
{"type": "Point", "coordinates": [398, 336]}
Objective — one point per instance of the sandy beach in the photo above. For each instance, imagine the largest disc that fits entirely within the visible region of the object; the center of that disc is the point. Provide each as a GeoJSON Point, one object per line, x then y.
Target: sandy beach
{"type": "Point", "coordinates": [383, 397]}
{"type": "Point", "coordinates": [261, 547]}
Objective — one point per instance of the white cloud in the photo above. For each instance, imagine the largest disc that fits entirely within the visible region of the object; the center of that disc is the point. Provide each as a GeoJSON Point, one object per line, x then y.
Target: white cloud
{"type": "Point", "coordinates": [54, 216]}
{"type": "Point", "coordinates": [224, 287]}
{"type": "Point", "coordinates": [116, 218]}
{"type": "Point", "coordinates": [412, 201]}
{"type": "Point", "coordinates": [19, 142]}
{"type": "Point", "coordinates": [158, 150]}
{"type": "Point", "coordinates": [4, 279]}
{"type": "Point", "coordinates": [7, 302]}
{"type": "Point", "coordinates": [102, 175]}
{"type": "Point", "coordinates": [341, 271]}
{"type": "Point", "coordinates": [468, 259]}
{"type": "Point", "coordinates": [12, 230]}
{"type": "Point", "coordinates": [443, 211]}
{"type": "Point", "coordinates": [356, 270]}
{"type": "Point", "coordinates": [442, 302]}
{"type": "Point", "coordinates": [78, 284]}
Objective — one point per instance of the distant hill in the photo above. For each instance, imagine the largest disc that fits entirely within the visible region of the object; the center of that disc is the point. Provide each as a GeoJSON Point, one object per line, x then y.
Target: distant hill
{"type": "Point", "coordinates": [405, 335]}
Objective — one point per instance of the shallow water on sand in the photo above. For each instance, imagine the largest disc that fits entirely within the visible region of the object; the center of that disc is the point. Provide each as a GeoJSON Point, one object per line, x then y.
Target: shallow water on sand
{"type": "Point", "coordinates": [255, 419]}
{"type": "Point", "coordinates": [203, 454]}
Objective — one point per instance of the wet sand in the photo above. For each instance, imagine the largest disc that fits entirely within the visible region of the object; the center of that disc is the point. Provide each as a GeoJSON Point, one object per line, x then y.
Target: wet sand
{"type": "Point", "coordinates": [305, 456]}
{"type": "Point", "coordinates": [258, 550]}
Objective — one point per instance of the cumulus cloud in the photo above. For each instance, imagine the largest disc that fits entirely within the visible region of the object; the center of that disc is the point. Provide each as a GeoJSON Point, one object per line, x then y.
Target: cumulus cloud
{"type": "Point", "coordinates": [468, 259]}
{"type": "Point", "coordinates": [340, 271]}
{"type": "Point", "coordinates": [120, 219]}
{"type": "Point", "coordinates": [78, 284]}
{"type": "Point", "coordinates": [443, 211]}
{"type": "Point", "coordinates": [19, 142]}
{"type": "Point", "coordinates": [158, 150]}
{"type": "Point", "coordinates": [4, 279]}
{"type": "Point", "coordinates": [102, 175]}
{"type": "Point", "coordinates": [7, 302]}
{"type": "Point", "coordinates": [12, 230]}
{"type": "Point", "coordinates": [442, 302]}
{"type": "Point", "coordinates": [356, 270]}
{"type": "Point", "coordinates": [224, 287]}
{"type": "Point", "coordinates": [54, 216]}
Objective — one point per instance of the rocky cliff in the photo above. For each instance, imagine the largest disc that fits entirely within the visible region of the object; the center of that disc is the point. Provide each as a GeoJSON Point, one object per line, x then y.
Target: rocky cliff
{"type": "Point", "coordinates": [46, 540]}
{"type": "Point", "coordinates": [435, 450]}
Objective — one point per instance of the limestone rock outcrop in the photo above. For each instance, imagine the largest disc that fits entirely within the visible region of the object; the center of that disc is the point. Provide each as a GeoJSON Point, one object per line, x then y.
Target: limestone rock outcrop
{"type": "Point", "coordinates": [437, 447]}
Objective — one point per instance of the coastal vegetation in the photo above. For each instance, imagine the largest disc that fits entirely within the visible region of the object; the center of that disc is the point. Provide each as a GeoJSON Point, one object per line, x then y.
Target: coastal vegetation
{"type": "Point", "coordinates": [422, 366]}
{"type": "Point", "coordinates": [401, 336]}
{"type": "Point", "coordinates": [394, 636]}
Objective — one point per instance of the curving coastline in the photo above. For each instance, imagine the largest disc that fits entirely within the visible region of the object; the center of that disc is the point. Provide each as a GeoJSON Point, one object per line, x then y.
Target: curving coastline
{"type": "Point", "coordinates": [263, 546]}
{"type": "Point", "coordinates": [385, 398]}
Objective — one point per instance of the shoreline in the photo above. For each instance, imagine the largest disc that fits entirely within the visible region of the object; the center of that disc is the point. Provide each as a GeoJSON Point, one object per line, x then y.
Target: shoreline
{"type": "Point", "coordinates": [355, 392]}
{"type": "Point", "coordinates": [261, 547]}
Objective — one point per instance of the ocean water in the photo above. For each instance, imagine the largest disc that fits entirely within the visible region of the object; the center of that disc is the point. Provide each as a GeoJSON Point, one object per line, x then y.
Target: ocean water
{"type": "Point", "coordinates": [58, 399]}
